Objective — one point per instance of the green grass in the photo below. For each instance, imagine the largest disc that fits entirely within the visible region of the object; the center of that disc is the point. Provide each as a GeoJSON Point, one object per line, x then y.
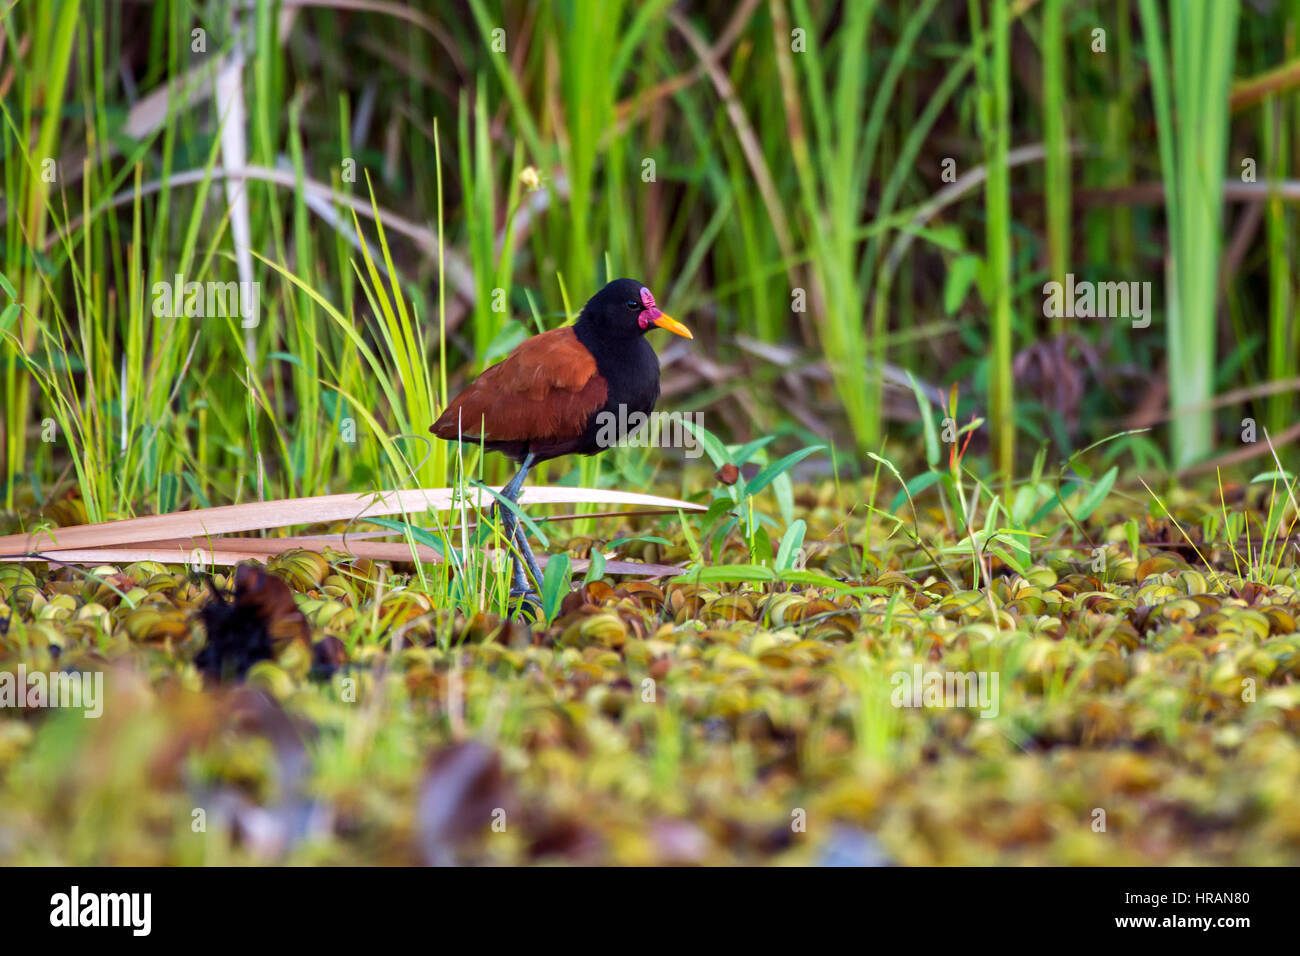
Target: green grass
{"type": "Point", "coordinates": [802, 181]}
{"type": "Point", "coordinates": [994, 108]}
{"type": "Point", "coordinates": [1056, 172]}
{"type": "Point", "coordinates": [928, 470]}
{"type": "Point", "coordinates": [1194, 82]}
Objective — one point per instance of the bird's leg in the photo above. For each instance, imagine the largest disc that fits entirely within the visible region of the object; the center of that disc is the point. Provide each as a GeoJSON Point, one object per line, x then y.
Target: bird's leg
{"type": "Point", "coordinates": [510, 522]}
{"type": "Point", "coordinates": [511, 493]}
{"type": "Point", "coordinates": [521, 536]}
{"type": "Point", "coordinates": [521, 585]}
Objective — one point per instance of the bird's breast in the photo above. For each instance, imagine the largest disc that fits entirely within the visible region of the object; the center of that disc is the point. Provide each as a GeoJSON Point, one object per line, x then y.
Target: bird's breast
{"type": "Point", "coordinates": [632, 378]}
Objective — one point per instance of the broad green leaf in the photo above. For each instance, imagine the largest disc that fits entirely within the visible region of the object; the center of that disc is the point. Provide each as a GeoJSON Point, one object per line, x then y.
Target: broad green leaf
{"type": "Point", "coordinates": [791, 542]}
{"type": "Point", "coordinates": [1051, 503]}
{"type": "Point", "coordinates": [927, 423]}
{"type": "Point", "coordinates": [720, 537]}
{"type": "Point", "coordinates": [1026, 497]}
{"type": "Point", "coordinates": [1131, 536]}
{"type": "Point", "coordinates": [913, 488]}
{"type": "Point", "coordinates": [761, 547]}
{"type": "Point", "coordinates": [652, 538]}
{"type": "Point", "coordinates": [197, 490]}
{"type": "Point", "coordinates": [947, 237]}
{"type": "Point", "coordinates": [1014, 563]}
{"type": "Point", "coordinates": [765, 477]}
{"type": "Point", "coordinates": [817, 579]}
{"type": "Point", "coordinates": [716, 451]}
{"type": "Point", "coordinates": [719, 507]}
{"type": "Point", "coordinates": [961, 274]}
{"type": "Point", "coordinates": [555, 584]}
{"type": "Point", "coordinates": [745, 452]}
{"type": "Point", "coordinates": [783, 490]}
{"type": "Point", "coordinates": [725, 573]}
{"type": "Point", "coordinates": [1096, 495]}
{"type": "Point", "coordinates": [1272, 476]}
{"type": "Point", "coordinates": [169, 492]}
{"type": "Point", "coordinates": [596, 569]}
{"type": "Point", "coordinates": [286, 357]}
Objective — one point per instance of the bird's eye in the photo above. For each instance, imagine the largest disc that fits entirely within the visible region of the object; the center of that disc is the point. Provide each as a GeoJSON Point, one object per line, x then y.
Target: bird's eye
{"type": "Point", "coordinates": [634, 305]}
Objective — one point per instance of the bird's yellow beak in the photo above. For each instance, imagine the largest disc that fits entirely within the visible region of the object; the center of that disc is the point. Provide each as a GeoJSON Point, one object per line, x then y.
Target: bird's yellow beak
{"type": "Point", "coordinates": [673, 326]}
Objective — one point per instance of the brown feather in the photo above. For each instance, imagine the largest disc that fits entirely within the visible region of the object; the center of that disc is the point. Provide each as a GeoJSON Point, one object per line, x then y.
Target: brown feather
{"type": "Point", "coordinates": [546, 389]}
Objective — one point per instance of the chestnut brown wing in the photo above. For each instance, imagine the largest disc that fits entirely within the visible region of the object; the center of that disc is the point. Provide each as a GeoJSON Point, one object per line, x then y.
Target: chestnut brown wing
{"type": "Point", "coordinates": [546, 389]}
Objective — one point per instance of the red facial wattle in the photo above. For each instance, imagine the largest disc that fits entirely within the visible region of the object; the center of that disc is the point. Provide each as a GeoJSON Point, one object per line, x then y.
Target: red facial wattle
{"type": "Point", "coordinates": [650, 315]}
{"type": "Point", "coordinates": [650, 312]}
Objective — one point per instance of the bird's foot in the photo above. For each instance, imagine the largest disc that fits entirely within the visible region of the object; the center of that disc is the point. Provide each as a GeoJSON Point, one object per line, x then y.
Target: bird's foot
{"type": "Point", "coordinates": [525, 602]}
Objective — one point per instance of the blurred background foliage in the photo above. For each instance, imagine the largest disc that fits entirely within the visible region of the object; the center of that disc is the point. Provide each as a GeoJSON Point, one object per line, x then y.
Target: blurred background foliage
{"type": "Point", "coordinates": [415, 187]}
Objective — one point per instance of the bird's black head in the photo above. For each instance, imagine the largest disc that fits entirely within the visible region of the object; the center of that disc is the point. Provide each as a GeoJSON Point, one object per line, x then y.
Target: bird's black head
{"type": "Point", "coordinates": [626, 308]}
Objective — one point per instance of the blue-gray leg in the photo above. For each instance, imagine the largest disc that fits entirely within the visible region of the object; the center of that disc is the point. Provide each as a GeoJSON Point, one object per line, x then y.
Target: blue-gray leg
{"type": "Point", "coordinates": [514, 533]}
{"type": "Point", "coordinates": [521, 537]}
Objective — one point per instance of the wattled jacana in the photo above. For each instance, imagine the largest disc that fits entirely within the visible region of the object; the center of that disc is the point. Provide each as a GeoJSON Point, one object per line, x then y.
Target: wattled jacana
{"type": "Point", "coordinates": [545, 398]}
